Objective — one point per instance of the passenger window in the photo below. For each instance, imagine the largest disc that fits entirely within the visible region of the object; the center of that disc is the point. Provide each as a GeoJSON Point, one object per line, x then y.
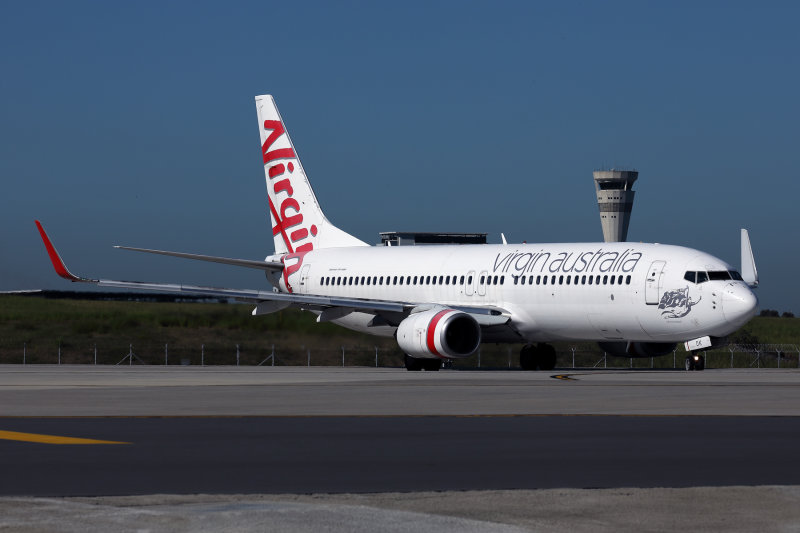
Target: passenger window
{"type": "Point", "coordinates": [560, 280]}
{"type": "Point", "coordinates": [523, 280]}
{"type": "Point", "coordinates": [350, 281]}
{"type": "Point", "coordinates": [469, 281]}
{"type": "Point", "coordinates": [482, 280]}
{"type": "Point", "coordinates": [553, 280]}
{"type": "Point", "coordinates": [394, 281]}
{"type": "Point", "coordinates": [619, 280]}
{"type": "Point", "coordinates": [502, 280]}
{"type": "Point", "coordinates": [461, 280]}
{"type": "Point", "coordinates": [544, 280]}
{"type": "Point", "coordinates": [401, 280]}
{"type": "Point", "coordinates": [605, 280]}
{"type": "Point", "coordinates": [530, 280]}
{"type": "Point", "coordinates": [495, 280]}
{"type": "Point", "coordinates": [597, 280]}
{"type": "Point", "coordinates": [590, 280]}
{"type": "Point", "coordinates": [434, 280]}
{"type": "Point", "coordinates": [628, 280]}
{"type": "Point", "coordinates": [612, 280]}
{"type": "Point", "coordinates": [539, 280]}
{"type": "Point", "coordinates": [447, 280]}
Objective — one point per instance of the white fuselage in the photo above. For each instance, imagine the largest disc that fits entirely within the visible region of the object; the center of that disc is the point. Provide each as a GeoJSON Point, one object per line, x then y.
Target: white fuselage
{"type": "Point", "coordinates": [573, 291]}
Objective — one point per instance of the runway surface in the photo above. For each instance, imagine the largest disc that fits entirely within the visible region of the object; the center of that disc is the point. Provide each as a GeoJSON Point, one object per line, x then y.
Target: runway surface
{"type": "Point", "coordinates": [284, 445]}
{"type": "Point", "coordinates": [396, 454]}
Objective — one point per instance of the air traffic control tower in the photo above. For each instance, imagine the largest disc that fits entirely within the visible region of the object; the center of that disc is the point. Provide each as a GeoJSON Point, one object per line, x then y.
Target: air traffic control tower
{"type": "Point", "coordinates": [615, 199]}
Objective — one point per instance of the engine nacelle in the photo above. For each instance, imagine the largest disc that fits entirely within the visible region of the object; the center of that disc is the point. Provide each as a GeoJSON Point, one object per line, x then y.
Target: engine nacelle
{"type": "Point", "coordinates": [637, 349]}
{"type": "Point", "coordinates": [439, 333]}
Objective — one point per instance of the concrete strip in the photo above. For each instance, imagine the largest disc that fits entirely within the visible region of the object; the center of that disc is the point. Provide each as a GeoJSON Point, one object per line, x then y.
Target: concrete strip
{"type": "Point", "coordinates": [719, 509]}
{"type": "Point", "coordinates": [210, 515]}
{"type": "Point", "coordinates": [291, 391]}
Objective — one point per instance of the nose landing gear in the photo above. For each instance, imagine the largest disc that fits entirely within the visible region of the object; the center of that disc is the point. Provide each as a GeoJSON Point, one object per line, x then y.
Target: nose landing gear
{"type": "Point", "coordinates": [695, 361]}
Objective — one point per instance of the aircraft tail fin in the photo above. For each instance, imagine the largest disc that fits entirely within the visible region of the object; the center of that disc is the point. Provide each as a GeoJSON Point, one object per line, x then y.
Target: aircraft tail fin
{"type": "Point", "coordinates": [749, 271]}
{"type": "Point", "coordinates": [298, 223]}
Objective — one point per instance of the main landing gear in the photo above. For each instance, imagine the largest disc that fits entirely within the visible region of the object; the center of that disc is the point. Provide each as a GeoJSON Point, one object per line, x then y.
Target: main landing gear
{"type": "Point", "coordinates": [416, 364]}
{"type": "Point", "coordinates": [539, 357]}
{"type": "Point", "coordinates": [695, 361]}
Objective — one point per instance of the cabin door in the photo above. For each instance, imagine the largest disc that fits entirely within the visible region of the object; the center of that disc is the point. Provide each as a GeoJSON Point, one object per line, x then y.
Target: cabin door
{"type": "Point", "coordinates": [652, 289]}
{"type": "Point", "coordinates": [304, 278]}
{"type": "Point", "coordinates": [469, 283]}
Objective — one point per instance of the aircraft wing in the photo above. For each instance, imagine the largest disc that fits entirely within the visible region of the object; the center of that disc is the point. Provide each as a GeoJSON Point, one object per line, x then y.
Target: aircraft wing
{"type": "Point", "coordinates": [248, 263]}
{"type": "Point", "coordinates": [267, 301]}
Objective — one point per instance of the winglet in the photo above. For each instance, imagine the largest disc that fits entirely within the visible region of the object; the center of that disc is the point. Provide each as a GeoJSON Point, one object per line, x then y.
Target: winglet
{"type": "Point", "coordinates": [58, 264]}
{"type": "Point", "coordinates": [749, 271]}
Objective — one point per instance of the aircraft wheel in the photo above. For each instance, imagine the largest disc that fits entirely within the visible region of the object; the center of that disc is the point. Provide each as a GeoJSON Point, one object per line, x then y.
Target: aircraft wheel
{"type": "Point", "coordinates": [413, 364]}
{"type": "Point", "coordinates": [689, 364]}
{"type": "Point", "coordinates": [431, 365]}
{"type": "Point", "coordinates": [527, 357]}
{"type": "Point", "coordinates": [547, 357]}
{"type": "Point", "coordinates": [701, 363]}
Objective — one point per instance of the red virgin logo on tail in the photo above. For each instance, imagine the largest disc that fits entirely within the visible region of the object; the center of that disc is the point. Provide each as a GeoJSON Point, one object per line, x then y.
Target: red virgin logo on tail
{"type": "Point", "coordinates": [288, 216]}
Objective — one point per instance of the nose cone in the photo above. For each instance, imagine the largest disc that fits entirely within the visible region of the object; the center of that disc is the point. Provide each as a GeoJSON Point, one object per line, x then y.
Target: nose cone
{"type": "Point", "coordinates": [739, 304]}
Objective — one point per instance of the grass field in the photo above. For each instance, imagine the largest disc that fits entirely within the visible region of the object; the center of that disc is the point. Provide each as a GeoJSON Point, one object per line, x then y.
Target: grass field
{"type": "Point", "coordinates": [36, 328]}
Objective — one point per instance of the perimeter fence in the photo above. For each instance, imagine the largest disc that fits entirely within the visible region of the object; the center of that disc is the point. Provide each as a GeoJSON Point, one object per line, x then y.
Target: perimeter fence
{"type": "Point", "coordinates": [578, 356]}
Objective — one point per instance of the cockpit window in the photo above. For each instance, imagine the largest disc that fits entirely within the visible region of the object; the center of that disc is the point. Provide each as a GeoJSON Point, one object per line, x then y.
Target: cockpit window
{"type": "Point", "coordinates": [713, 275]}
{"type": "Point", "coordinates": [719, 275]}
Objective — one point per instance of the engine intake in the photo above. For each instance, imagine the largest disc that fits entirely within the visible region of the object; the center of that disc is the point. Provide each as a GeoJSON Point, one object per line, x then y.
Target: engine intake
{"type": "Point", "coordinates": [439, 333]}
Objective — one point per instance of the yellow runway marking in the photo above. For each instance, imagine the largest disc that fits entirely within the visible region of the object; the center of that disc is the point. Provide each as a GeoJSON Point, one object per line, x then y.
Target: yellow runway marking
{"type": "Point", "coordinates": [51, 439]}
{"type": "Point", "coordinates": [564, 377]}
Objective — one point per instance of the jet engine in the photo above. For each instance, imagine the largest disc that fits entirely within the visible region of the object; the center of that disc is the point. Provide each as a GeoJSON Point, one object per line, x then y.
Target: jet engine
{"type": "Point", "coordinates": [439, 333]}
{"type": "Point", "coordinates": [637, 349]}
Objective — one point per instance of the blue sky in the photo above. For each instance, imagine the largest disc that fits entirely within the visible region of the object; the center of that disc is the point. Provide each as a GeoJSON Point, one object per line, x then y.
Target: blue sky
{"type": "Point", "coordinates": [134, 123]}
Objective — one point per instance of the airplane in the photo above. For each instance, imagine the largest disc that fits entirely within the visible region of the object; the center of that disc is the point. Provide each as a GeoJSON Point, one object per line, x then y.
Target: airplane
{"type": "Point", "coordinates": [440, 302]}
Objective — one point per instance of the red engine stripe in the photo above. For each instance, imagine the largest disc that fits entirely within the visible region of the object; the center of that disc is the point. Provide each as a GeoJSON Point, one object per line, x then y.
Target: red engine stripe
{"type": "Point", "coordinates": [432, 329]}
